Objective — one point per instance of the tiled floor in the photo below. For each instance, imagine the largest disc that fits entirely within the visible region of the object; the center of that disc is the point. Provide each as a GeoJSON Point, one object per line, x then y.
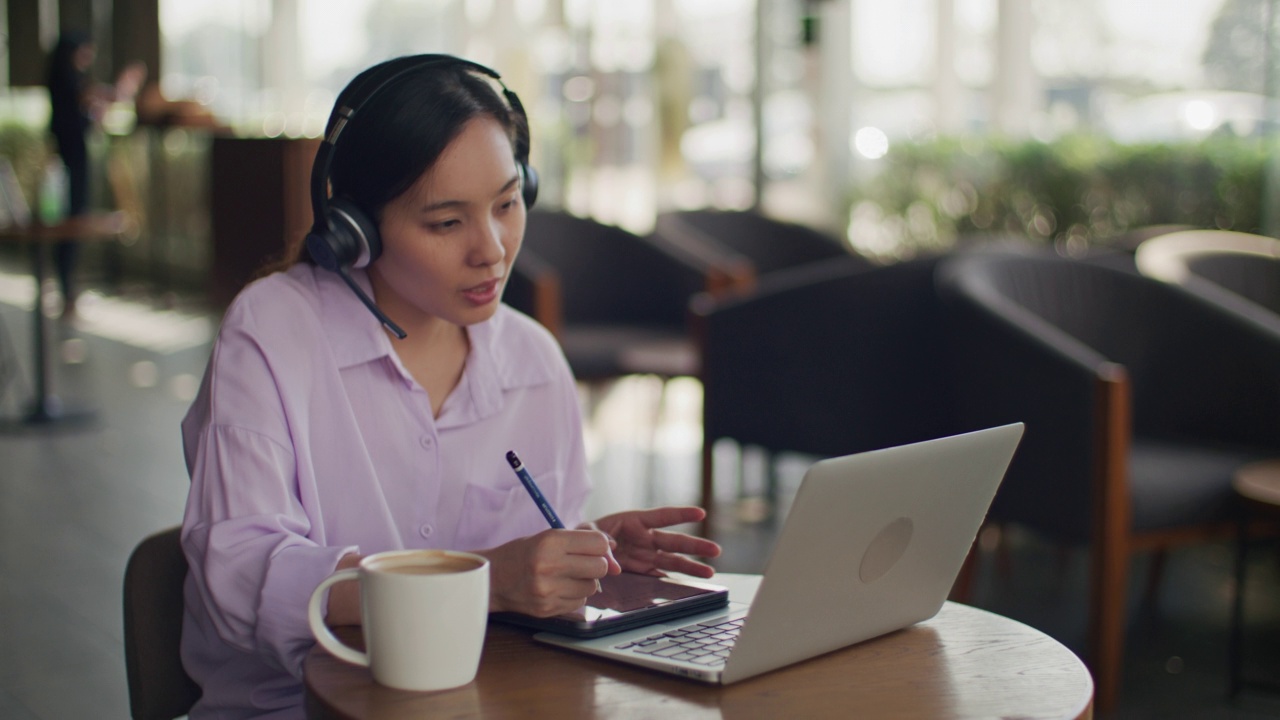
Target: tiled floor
{"type": "Point", "coordinates": [74, 501]}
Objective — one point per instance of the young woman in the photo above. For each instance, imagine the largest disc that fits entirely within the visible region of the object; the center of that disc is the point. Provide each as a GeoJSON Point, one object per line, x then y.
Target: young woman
{"type": "Point", "coordinates": [318, 437]}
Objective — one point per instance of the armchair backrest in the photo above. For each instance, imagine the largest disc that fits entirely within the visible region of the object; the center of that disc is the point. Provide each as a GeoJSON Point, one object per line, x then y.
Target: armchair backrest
{"type": "Point", "coordinates": [1182, 356]}
{"type": "Point", "coordinates": [1045, 340]}
{"type": "Point", "coordinates": [770, 244]}
{"type": "Point", "coordinates": [827, 360]}
{"type": "Point", "coordinates": [609, 275]}
{"type": "Point", "coordinates": [1253, 277]}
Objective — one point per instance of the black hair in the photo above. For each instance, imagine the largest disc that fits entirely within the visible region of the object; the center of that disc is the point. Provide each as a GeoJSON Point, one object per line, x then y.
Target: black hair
{"type": "Point", "coordinates": [402, 131]}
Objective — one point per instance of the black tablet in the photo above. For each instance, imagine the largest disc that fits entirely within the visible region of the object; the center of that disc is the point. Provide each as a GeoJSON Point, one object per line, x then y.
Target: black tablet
{"type": "Point", "coordinates": [626, 601]}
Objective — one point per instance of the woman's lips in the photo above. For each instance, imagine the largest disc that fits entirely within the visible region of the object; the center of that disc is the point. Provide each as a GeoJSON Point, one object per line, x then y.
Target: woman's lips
{"type": "Point", "coordinates": [484, 293]}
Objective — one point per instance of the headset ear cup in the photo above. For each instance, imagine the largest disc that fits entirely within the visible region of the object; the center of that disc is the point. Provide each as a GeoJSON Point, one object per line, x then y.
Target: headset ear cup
{"type": "Point", "coordinates": [360, 242]}
{"type": "Point", "coordinates": [529, 190]}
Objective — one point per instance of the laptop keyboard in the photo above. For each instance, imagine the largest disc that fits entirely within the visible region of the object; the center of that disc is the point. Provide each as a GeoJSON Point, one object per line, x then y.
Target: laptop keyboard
{"type": "Point", "coordinates": [701, 643]}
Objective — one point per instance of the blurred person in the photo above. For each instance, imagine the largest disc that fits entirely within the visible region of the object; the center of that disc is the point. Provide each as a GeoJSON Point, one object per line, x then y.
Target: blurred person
{"type": "Point", "coordinates": [76, 104]}
{"type": "Point", "coordinates": [319, 436]}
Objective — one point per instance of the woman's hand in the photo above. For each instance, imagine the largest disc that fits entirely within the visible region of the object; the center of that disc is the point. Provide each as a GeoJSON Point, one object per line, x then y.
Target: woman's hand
{"type": "Point", "coordinates": [550, 573]}
{"type": "Point", "coordinates": [641, 547]}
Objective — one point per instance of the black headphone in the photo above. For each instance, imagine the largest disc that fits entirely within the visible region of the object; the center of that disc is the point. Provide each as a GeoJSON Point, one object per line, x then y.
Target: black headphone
{"type": "Point", "coordinates": [343, 235]}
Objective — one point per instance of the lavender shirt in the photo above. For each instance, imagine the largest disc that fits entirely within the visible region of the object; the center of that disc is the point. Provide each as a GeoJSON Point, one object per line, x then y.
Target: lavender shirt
{"type": "Point", "coordinates": [309, 440]}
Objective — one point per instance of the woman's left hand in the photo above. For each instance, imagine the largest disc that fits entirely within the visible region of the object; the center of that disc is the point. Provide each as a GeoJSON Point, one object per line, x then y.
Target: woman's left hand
{"type": "Point", "coordinates": [641, 546]}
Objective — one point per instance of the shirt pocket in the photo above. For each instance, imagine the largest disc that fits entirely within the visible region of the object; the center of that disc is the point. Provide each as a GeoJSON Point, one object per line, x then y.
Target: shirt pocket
{"type": "Point", "coordinates": [493, 515]}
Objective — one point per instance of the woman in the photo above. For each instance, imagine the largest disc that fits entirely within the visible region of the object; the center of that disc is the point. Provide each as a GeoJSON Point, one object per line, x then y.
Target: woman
{"type": "Point", "coordinates": [317, 438]}
{"type": "Point", "coordinates": [76, 103]}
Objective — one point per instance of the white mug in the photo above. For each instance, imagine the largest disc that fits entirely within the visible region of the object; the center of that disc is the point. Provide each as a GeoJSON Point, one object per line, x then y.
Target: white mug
{"type": "Point", "coordinates": [424, 615]}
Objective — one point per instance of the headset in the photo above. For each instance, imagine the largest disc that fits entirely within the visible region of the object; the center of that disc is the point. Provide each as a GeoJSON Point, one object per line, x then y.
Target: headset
{"type": "Point", "coordinates": [345, 236]}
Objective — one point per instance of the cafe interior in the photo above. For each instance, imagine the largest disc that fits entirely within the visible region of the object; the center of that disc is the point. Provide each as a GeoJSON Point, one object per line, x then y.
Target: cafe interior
{"type": "Point", "coordinates": [767, 232]}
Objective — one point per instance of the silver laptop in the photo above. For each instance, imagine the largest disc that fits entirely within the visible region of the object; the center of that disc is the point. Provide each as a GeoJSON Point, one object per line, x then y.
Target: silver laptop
{"type": "Point", "coordinates": [872, 544]}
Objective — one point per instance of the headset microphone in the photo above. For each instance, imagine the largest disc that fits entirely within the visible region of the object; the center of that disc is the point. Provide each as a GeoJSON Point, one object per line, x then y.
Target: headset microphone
{"type": "Point", "coordinates": [330, 254]}
{"type": "Point", "coordinates": [368, 302]}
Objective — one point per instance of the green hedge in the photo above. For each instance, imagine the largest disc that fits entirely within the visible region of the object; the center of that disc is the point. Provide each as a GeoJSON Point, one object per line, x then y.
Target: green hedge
{"type": "Point", "coordinates": [1081, 190]}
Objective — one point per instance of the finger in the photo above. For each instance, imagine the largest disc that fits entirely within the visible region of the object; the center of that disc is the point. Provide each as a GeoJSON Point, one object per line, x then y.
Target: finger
{"type": "Point", "coordinates": [681, 543]}
{"type": "Point", "coordinates": [585, 542]}
{"type": "Point", "coordinates": [682, 564]}
{"type": "Point", "coordinates": [670, 515]}
{"type": "Point", "coordinates": [586, 567]}
{"type": "Point", "coordinates": [615, 567]}
{"type": "Point", "coordinates": [579, 590]}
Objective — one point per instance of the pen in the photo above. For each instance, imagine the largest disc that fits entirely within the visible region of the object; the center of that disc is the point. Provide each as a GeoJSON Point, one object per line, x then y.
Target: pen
{"type": "Point", "coordinates": [534, 492]}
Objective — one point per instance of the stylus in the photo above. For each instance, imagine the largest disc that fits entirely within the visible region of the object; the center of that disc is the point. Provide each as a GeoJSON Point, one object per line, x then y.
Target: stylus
{"type": "Point", "coordinates": [534, 492]}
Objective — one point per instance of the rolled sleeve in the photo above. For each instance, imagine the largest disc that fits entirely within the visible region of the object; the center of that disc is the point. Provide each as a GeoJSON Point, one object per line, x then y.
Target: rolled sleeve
{"type": "Point", "coordinates": [248, 546]}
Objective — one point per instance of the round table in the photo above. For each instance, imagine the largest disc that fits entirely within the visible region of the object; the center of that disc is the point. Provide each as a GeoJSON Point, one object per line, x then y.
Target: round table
{"type": "Point", "coordinates": [46, 408]}
{"type": "Point", "coordinates": [1258, 487]}
{"type": "Point", "coordinates": [963, 663]}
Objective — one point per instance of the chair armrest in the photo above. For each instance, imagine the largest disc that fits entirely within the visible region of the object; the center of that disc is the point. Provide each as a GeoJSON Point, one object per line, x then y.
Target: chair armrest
{"type": "Point", "coordinates": [725, 270]}
{"type": "Point", "coordinates": [1206, 373]}
{"type": "Point", "coordinates": [1013, 366]}
{"type": "Point", "coordinates": [813, 363]}
{"type": "Point", "coordinates": [534, 289]}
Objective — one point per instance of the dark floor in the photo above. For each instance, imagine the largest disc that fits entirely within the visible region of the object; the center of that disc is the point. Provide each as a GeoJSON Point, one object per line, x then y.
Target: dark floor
{"type": "Point", "coordinates": [74, 501]}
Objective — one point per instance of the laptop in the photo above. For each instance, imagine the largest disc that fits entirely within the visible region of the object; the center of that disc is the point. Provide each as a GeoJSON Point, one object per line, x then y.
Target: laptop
{"type": "Point", "coordinates": [872, 544]}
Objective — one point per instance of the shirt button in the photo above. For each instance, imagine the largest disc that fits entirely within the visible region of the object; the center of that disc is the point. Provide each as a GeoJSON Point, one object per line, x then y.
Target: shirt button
{"type": "Point", "coordinates": [426, 531]}
{"type": "Point", "coordinates": [428, 441]}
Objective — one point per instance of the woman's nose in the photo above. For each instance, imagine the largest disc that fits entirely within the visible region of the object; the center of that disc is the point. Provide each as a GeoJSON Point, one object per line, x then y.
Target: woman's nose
{"type": "Point", "coordinates": [489, 248]}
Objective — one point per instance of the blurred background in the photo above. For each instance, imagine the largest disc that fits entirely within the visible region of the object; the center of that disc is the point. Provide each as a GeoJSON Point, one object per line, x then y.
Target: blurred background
{"type": "Point", "coordinates": [898, 126]}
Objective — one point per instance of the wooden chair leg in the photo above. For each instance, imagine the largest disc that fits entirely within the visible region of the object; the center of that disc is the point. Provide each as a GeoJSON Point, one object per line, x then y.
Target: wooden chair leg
{"type": "Point", "coordinates": [1108, 592]}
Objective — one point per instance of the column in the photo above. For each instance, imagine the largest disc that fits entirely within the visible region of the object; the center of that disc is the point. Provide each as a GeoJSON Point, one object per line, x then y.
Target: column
{"type": "Point", "coordinates": [1016, 94]}
{"type": "Point", "coordinates": [948, 95]}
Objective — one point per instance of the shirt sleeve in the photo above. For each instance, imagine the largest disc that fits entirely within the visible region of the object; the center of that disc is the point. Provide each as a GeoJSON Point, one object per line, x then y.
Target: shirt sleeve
{"type": "Point", "coordinates": [246, 530]}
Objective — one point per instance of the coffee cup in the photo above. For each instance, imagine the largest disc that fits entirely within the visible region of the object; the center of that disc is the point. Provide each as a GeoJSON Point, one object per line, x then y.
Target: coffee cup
{"type": "Point", "coordinates": [424, 615]}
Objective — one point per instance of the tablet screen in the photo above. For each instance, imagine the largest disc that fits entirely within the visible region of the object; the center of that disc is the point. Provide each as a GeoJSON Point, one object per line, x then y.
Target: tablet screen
{"type": "Point", "coordinates": [628, 600]}
{"type": "Point", "coordinates": [630, 592]}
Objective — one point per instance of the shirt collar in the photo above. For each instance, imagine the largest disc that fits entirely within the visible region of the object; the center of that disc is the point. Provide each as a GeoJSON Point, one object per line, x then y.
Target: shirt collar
{"type": "Point", "coordinates": [503, 355]}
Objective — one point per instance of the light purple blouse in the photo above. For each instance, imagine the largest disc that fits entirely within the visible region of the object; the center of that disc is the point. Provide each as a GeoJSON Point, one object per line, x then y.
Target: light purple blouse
{"type": "Point", "coordinates": [309, 440]}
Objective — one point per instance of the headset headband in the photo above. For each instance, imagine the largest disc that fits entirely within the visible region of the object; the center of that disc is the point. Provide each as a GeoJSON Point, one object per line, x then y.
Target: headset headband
{"type": "Point", "coordinates": [352, 100]}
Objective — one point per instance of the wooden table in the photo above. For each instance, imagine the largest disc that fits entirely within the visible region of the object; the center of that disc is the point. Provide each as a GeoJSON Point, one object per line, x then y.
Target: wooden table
{"type": "Point", "coordinates": [963, 663]}
{"type": "Point", "coordinates": [1258, 487]}
{"type": "Point", "coordinates": [45, 406]}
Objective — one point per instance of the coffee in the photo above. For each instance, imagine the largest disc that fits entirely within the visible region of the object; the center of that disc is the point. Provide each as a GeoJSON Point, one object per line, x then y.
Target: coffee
{"type": "Point", "coordinates": [435, 566]}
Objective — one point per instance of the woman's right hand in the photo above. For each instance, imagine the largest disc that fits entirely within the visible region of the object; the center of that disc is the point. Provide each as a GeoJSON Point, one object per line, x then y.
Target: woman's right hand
{"type": "Point", "coordinates": [550, 573]}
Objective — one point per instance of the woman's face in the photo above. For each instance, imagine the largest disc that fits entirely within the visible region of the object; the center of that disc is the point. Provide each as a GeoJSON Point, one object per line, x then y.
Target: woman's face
{"type": "Point", "coordinates": [448, 242]}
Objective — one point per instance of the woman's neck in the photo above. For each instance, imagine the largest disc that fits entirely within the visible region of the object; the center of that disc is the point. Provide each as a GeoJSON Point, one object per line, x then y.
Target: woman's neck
{"type": "Point", "coordinates": [434, 354]}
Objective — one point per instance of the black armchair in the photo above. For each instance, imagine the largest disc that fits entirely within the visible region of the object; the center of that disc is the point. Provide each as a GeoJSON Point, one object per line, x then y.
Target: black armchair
{"type": "Point", "coordinates": [622, 298]}
{"type": "Point", "coordinates": [769, 244]}
{"type": "Point", "coordinates": [1139, 402]}
{"type": "Point", "coordinates": [1238, 272]}
{"type": "Point", "coordinates": [826, 360]}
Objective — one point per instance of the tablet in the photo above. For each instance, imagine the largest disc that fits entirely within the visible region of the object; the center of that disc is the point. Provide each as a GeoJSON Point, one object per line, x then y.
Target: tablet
{"type": "Point", "coordinates": [626, 601]}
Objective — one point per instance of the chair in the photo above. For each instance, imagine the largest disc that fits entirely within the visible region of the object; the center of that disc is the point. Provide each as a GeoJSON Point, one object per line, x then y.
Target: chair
{"type": "Point", "coordinates": [159, 688]}
{"type": "Point", "coordinates": [1139, 400]}
{"type": "Point", "coordinates": [826, 360]}
{"type": "Point", "coordinates": [1238, 272]}
{"type": "Point", "coordinates": [769, 244]}
{"type": "Point", "coordinates": [622, 297]}
{"type": "Point", "coordinates": [533, 287]}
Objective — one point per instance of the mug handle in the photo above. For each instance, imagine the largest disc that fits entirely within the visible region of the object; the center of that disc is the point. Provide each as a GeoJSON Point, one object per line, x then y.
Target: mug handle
{"type": "Point", "coordinates": [322, 632]}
